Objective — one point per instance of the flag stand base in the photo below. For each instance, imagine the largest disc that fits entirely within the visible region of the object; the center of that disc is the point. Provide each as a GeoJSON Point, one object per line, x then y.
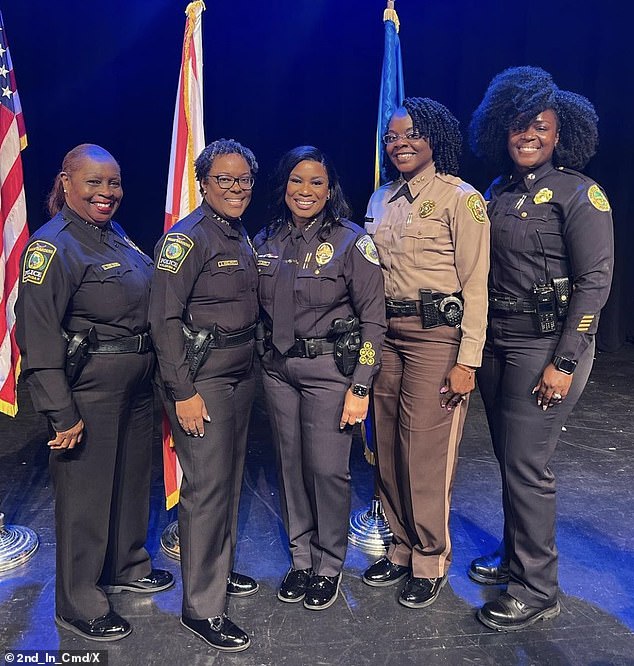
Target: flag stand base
{"type": "Point", "coordinates": [170, 542]}
{"type": "Point", "coordinates": [17, 545]}
{"type": "Point", "coordinates": [369, 530]}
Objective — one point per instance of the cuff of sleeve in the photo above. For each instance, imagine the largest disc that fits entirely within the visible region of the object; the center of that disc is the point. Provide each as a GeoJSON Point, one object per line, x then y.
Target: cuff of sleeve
{"type": "Point", "coordinates": [470, 353]}
{"type": "Point", "coordinates": [572, 344]}
{"type": "Point", "coordinates": [182, 391]}
{"type": "Point", "coordinates": [64, 418]}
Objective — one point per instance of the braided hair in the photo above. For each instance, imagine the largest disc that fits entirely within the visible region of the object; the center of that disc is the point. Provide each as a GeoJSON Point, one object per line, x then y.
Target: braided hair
{"type": "Point", "coordinates": [336, 206]}
{"type": "Point", "coordinates": [440, 128]}
{"type": "Point", "coordinates": [519, 94]}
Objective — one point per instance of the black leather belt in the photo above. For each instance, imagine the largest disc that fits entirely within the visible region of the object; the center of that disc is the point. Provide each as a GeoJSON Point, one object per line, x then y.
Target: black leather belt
{"type": "Point", "coordinates": [222, 340]}
{"type": "Point", "coordinates": [395, 308]}
{"type": "Point", "coordinates": [505, 303]}
{"type": "Point", "coordinates": [310, 348]}
{"type": "Point", "coordinates": [134, 344]}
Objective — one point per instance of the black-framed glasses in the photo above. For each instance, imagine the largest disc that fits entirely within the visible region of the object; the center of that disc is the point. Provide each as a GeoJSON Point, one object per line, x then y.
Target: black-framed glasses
{"type": "Point", "coordinates": [227, 182]}
{"type": "Point", "coordinates": [410, 135]}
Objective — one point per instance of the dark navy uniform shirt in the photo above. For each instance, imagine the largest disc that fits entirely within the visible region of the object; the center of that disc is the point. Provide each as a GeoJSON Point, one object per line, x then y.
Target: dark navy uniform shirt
{"type": "Point", "coordinates": [335, 277]}
{"type": "Point", "coordinates": [75, 275]}
{"type": "Point", "coordinates": [559, 218]}
{"type": "Point", "coordinates": [205, 274]}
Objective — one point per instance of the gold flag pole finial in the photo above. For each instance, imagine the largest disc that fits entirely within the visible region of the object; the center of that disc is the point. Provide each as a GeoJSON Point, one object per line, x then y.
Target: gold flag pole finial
{"type": "Point", "coordinates": [390, 14]}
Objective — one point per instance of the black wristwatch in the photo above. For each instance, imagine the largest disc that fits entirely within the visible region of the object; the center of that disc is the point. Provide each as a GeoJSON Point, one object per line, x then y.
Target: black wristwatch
{"type": "Point", "coordinates": [360, 389]}
{"type": "Point", "coordinates": [564, 364]}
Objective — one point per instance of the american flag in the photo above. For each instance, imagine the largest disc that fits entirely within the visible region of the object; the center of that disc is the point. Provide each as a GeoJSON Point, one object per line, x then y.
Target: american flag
{"type": "Point", "coordinates": [14, 231]}
{"type": "Point", "coordinates": [188, 141]}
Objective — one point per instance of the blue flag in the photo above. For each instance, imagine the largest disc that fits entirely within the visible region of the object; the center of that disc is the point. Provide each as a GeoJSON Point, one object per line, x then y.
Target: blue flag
{"type": "Point", "coordinates": [392, 88]}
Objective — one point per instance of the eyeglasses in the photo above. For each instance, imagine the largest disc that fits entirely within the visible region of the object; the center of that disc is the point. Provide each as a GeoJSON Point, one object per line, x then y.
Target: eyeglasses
{"type": "Point", "coordinates": [410, 135]}
{"type": "Point", "coordinates": [227, 182]}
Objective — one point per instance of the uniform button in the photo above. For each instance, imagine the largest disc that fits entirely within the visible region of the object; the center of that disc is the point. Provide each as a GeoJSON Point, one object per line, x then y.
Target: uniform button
{"type": "Point", "coordinates": [524, 213]}
{"type": "Point", "coordinates": [317, 272]}
{"type": "Point", "coordinates": [419, 233]}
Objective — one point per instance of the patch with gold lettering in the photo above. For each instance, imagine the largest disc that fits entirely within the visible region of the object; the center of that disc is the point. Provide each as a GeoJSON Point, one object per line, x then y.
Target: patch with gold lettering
{"type": "Point", "coordinates": [228, 262]}
{"type": "Point", "coordinates": [366, 246]}
{"type": "Point", "coordinates": [476, 208]}
{"type": "Point", "coordinates": [175, 249]}
{"type": "Point", "coordinates": [324, 253]}
{"type": "Point", "coordinates": [38, 258]}
{"type": "Point", "coordinates": [426, 208]}
{"type": "Point", "coordinates": [367, 355]}
{"type": "Point", "coordinates": [598, 199]}
{"type": "Point", "coordinates": [543, 196]}
{"type": "Point", "coordinates": [263, 262]}
{"type": "Point", "coordinates": [107, 267]}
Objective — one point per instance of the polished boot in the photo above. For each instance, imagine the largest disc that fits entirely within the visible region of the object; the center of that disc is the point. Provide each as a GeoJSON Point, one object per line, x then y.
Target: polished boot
{"type": "Point", "coordinates": [108, 627]}
{"type": "Point", "coordinates": [507, 613]}
{"type": "Point", "coordinates": [293, 587]}
{"type": "Point", "coordinates": [156, 581]}
{"type": "Point", "coordinates": [492, 569]}
{"type": "Point", "coordinates": [219, 632]}
{"type": "Point", "coordinates": [384, 573]}
{"type": "Point", "coordinates": [239, 585]}
{"type": "Point", "coordinates": [421, 592]}
{"type": "Point", "coordinates": [322, 592]}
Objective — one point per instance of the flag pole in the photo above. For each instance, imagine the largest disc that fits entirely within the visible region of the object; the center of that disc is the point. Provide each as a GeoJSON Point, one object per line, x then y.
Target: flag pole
{"type": "Point", "coordinates": [369, 529]}
{"type": "Point", "coordinates": [17, 544]}
{"type": "Point", "coordinates": [182, 198]}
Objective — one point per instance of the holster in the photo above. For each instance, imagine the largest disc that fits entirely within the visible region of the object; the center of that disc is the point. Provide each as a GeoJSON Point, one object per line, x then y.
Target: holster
{"type": "Point", "coordinates": [77, 353]}
{"type": "Point", "coordinates": [347, 343]}
{"type": "Point", "coordinates": [197, 347]}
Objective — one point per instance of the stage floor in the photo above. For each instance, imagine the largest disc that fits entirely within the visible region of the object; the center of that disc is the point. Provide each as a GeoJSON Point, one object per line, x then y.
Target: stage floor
{"type": "Point", "coordinates": [594, 465]}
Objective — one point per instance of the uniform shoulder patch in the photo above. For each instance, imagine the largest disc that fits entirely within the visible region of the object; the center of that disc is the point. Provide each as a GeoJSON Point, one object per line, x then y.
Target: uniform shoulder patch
{"type": "Point", "coordinates": [37, 259]}
{"type": "Point", "coordinates": [476, 208]}
{"type": "Point", "coordinates": [175, 249]}
{"type": "Point", "coordinates": [598, 199]}
{"type": "Point", "coordinates": [366, 246]}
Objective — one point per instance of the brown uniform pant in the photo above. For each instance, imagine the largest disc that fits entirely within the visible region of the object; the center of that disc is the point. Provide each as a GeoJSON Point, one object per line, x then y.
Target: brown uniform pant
{"type": "Point", "coordinates": [212, 479]}
{"type": "Point", "coordinates": [102, 486]}
{"type": "Point", "coordinates": [417, 443]}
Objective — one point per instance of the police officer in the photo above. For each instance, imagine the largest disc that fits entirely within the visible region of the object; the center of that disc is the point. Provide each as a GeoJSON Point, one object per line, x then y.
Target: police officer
{"type": "Point", "coordinates": [321, 295]}
{"type": "Point", "coordinates": [84, 290]}
{"type": "Point", "coordinates": [203, 311]}
{"type": "Point", "coordinates": [551, 267]}
{"type": "Point", "coordinates": [432, 236]}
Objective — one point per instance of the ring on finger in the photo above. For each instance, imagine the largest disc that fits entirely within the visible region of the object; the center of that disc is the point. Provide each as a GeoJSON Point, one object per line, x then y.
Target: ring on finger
{"type": "Point", "coordinates": [358, 420]}
{"type": "Point", "coordinates": [557, 396]}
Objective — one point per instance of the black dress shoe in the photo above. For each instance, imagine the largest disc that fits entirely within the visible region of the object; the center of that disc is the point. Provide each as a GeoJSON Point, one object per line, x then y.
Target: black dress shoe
{"type": "Point", "coordinates": [492, 569]}
{"type": "Point", "coordinates": [293, 587]}
{"type": "Point", "coordinates": [322, 592]}
{"type": "Point", "coordinates": [108, 627]}
{"type": "Point", "coordinates": [156, 581]}
{"type": "Point", "coordinates": [239, 585]}
{"type": "Point", "coordinates": [219, 632]}
{"type": "Point", "coordinates": [507, 613]}
{"type": "Point", "coordinates": [383, 573]}
{"type": "Point", "coordinates": [421, 592]}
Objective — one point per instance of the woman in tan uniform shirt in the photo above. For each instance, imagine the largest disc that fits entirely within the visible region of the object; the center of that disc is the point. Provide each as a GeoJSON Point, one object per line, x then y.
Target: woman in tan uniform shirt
{"type": "Point", "coordinates": [432, 236]}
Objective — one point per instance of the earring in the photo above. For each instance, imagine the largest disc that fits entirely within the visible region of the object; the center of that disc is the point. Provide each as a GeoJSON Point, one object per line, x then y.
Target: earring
{"type": "Point", "coordinates": [328, 197]}
{"type": "Point", "coordinates": [65, 192]}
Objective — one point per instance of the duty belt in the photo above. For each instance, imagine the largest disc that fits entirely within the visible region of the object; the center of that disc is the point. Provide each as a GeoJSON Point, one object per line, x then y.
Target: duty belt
{"type": "Point", "coordinates": [505, 303]}
{"type": "Point", "coordinates": [395, 308]}
{"type": "Point", "coordinates": [310, 348]}
{"type": "Point", "coordinates": [221, 339]}
{"type": "Point", "coordinates": [134, 344]}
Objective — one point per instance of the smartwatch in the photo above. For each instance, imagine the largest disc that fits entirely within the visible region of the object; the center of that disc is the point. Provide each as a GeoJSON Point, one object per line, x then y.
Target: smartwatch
{"type": "Point", "coordinates": [360, 390]}
{"type": "Point", "coordinates": [564, 364]}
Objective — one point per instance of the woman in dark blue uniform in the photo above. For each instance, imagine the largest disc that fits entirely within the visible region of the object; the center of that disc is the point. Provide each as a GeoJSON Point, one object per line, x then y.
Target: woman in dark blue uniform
{"type": "Point", "coordinates": [81, 273]}
{"type": "Point", "coordinates": [321, 294]}
{"type": "Point", "coordinates": [551, 268]}
{"type": "Point", "coordinates": [203, 311]}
